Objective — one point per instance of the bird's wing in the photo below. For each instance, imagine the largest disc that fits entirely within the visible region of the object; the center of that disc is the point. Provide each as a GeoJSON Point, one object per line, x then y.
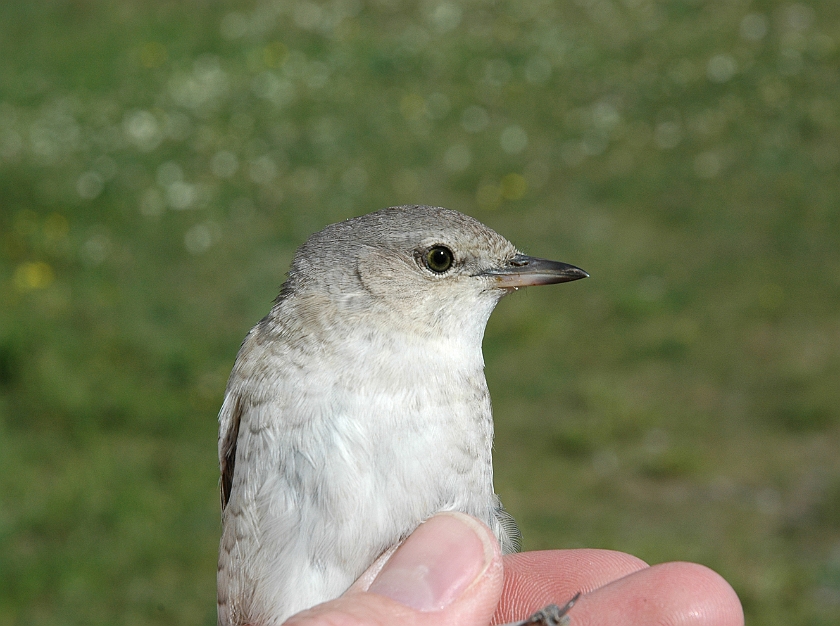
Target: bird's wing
{"type": "Point", "coordinates": [236, 402]}
{"type": "Point", "coordinates": [230, 416]}
{"type": "Point", "coordinates": [507, 531]}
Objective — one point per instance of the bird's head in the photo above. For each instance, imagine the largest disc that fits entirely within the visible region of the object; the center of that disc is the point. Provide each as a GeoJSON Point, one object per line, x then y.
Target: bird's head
{"type": "Point", "coordinates": [428, 269]}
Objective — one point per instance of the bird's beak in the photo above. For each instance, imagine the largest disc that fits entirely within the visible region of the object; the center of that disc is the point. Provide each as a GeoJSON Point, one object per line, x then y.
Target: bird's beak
{"type": "Point", "coordinates": [526, 271]}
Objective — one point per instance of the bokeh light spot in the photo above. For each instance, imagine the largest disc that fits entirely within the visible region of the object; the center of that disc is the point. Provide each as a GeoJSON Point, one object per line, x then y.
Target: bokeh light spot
{"type": "Point", "coordinates": [200, 237]}
{"type": "Point", "coordinates": [438, 106]}
{"type": "Point", "coordinates": [152, 203]}
{"type": "Point", "coordinates": [308, 15]}
{"type": "Point", "coordinates": [268, 85]}
{"type": "Point", "coordinates": [90, 185]}
{"type": "Point", "coordinates": [668, 134]}
{"type": "Point", "coordinates": [169, 173]}
{"type": "Point", "coordinates": [234, 25]}
{"type": "Point", "coordinates": [263, 170]}
{"type": "Point", "coordinates": [153, 54]}
{"type": "Point", "coordinates": [513, 186]}
{"type": "Point", "coordinates": [513, 139]}
{"type": "Point", "coordinates": [96, 248]}
{"type": "Point", "coordinates": [753, 27]}
{"type": "Point", "coordinates": [446, 16]}
{"type": "Point", "coordinates": [457, 157]}
{"type": "Point", "coordinates": [537, 69]}
{"type": "Point", "coordinates": [224, 164]}
{"type": "Point", "coordinates": [707, 165]}
{"type": "Point", "coordinates": [274, 54]}
{"type": "Point", "coordinates": [474, 119]}
{"type": "Point", "coordinates": [181, 195]}
{"type": "Point", "coordinates": [798, 16]}
{"type": "Point", "coordinates": [721, 68]}
{"type": "Point", "coordinates": [33, 275]}
{"type": "Point", "coordinates": [56, 227]}
{"type": "Point", "coordinates": [412, 106]}
{"type": "Point", "coordinates": [143, 130]}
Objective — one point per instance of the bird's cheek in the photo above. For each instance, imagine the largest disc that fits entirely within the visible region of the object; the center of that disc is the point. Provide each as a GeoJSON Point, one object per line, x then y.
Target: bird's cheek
{"type": "Point", "coordinates": [387, 275]}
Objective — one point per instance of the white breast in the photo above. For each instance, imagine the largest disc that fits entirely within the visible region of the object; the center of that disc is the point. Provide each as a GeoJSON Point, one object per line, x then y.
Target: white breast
{"type": "Point", "coordinates": [340, 461]}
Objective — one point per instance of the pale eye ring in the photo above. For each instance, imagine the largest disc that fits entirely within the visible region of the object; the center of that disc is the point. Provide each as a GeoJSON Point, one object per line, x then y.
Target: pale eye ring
{"type": "Point", "coordinates": [439, 259]}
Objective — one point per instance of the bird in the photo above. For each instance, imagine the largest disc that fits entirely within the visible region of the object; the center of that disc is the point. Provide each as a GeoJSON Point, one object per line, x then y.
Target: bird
{"type": "Point", "coordinates": [357, 407]}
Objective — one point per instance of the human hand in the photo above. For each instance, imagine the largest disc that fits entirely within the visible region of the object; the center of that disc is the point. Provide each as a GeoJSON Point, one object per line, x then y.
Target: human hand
{"type": "Point", "coordinates": [450, 572]}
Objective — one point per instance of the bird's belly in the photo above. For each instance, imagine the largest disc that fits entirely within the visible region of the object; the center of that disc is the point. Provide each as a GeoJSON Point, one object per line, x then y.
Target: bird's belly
{"type": "Point", "coordinates": [331, 491]}
{"type": "Point", "coordinates": [380, 483]}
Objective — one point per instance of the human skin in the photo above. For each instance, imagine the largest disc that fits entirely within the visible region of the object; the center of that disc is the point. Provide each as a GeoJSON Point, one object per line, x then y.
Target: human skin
{"type": "Point", "coordinates": [451, 572]}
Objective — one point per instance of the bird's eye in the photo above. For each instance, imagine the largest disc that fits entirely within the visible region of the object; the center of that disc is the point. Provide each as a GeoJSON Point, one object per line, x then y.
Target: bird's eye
{"type": "Point", "coordinates": [439, 259]}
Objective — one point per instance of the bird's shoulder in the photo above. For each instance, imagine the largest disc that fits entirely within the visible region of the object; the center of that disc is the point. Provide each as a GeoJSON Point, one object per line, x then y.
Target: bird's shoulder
{"type": "Point", "coordinates": [249, 387]}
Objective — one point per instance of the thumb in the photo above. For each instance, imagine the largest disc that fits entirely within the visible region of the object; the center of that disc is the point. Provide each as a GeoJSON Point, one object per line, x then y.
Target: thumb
{"type": "Point", "coordinates": [447, 573]}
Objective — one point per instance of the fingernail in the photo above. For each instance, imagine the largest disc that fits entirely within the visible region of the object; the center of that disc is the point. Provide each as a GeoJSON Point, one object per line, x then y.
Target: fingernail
{"type": "Point", "coordinates": [436, 563]}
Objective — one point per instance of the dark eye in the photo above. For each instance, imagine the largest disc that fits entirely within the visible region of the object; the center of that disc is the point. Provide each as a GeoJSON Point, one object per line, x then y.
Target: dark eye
{"type": "Point", "coordinates": [439, 259]}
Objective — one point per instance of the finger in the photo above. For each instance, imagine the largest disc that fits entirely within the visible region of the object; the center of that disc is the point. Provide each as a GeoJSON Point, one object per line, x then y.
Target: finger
{"type": "Point", "coordinates": [448, 572]}
{"type": "Point", "coordinates": [535, 579]}
{"type": "Point", "coordinates": [670, 594]}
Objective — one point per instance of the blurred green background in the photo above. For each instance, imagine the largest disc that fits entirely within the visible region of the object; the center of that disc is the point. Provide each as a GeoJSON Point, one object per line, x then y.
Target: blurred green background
{"type": "Point", "coordinates": [160, 161]}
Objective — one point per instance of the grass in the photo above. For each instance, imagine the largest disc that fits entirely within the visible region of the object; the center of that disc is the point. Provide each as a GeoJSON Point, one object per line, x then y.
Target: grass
{"type": "Point", "coordinates": [159, 163]}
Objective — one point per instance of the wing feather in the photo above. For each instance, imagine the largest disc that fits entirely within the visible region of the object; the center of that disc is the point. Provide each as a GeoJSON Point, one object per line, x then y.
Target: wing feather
{"type": "Point", "coordinates": [230, 417]}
